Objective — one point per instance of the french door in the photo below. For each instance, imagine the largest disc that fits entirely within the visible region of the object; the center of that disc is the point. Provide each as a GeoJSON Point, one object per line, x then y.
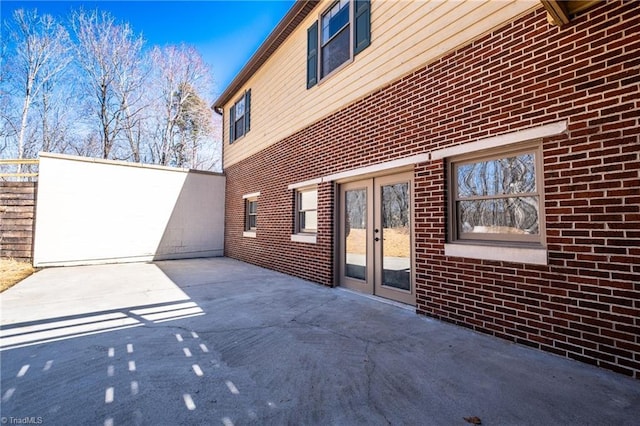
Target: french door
{"type": "Point", "coordinates": [375, 231]}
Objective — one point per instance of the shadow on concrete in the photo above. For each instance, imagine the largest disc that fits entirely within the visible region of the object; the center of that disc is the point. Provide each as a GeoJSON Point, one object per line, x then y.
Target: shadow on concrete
{"type": "Point", "coordinates": [67, 327]}
{"type": "Point", "coordinates": [188, 235]}
{"type": "Point", "coordinates": [236, 344]}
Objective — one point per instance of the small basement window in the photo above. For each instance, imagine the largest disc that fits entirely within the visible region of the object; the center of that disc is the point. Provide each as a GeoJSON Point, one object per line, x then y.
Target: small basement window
{"type": "Point", "coordinates": [251, 208]}
{"type": "Point", "coordinates": [307, 211]}
{"type": "Point", "coordinates": [250, 214]}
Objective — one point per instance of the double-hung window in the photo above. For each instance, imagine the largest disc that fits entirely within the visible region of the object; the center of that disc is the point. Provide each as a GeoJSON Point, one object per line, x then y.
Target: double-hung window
{"type": "Point", "coordinates": [335, 37]}
{"type": "Point", "coordinates": [251, 214]}
{"type": "Point", "coordinates": [307, 211]}
{"type": "Point", "coordinates": [240, 117]}
{"type": "Point", "coordinates": [341, 32]}
{"type": "Point", "coordinates": [497, 197]}
{"type": "Point", "coordinates": [238, 123]}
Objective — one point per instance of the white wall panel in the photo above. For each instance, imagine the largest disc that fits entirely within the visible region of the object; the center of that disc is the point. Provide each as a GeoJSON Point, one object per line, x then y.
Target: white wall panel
{"type": "Point", "coordinates": [97, 211]}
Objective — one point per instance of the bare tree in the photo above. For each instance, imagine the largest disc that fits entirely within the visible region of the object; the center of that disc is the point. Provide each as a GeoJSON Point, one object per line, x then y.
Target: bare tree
{"type": "Point", "coordinates": [5, 130]}
{"type": "Point", "coordinates": [116, 100]}
{"type": "Point", "coordinates": [181, 80]}
{"type": "Point", "coordinates": [42, 51]}
{"type": "Point", "coordinates": [87, 145]}
{"type": "Point", "coordinates": [110, 54]}
{"type": "Point", "coordinates": [130, 87]}
{"type": "Point", "coordinates": [195, 126]}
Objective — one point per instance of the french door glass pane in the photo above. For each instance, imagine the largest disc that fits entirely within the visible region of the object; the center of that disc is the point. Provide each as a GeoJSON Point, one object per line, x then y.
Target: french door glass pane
{"type": "Point", "coordinates": [356, 233]}
{"type": "Point", "coordinates": [396, 236]}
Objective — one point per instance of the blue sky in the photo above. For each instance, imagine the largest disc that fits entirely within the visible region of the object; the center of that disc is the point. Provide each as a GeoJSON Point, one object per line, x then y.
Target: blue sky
{"type": "Point", "coordinates": [226, 32]}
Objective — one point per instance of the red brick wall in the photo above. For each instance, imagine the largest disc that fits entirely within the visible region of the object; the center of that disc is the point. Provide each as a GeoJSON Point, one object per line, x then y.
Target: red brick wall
{"type": "Point", "coordinates": [586, 303]}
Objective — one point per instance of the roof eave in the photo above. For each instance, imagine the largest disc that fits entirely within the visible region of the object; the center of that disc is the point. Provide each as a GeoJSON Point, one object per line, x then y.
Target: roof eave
{"type": "Point", "coordinates": [560, 12]}
{"type": "Point", "coordinates": [293, 18]}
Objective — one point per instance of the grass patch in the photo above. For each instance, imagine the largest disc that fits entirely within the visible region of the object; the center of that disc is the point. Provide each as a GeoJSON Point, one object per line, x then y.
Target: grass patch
{"type": "Point", "coordinates": [12, 272]}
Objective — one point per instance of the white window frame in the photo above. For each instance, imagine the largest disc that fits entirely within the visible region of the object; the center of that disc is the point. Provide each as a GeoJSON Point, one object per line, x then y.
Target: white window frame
{"type": "Point", "coordinates": [249, 231]}
{"type": "Point", "coordinates": [310, 238]}
{"type": "Point", "coordinates": [300, 211]}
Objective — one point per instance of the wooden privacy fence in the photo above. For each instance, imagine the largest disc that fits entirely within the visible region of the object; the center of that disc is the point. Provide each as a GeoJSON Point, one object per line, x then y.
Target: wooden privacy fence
{"type": "Point", "coordinates": [17, 215]}
{"type": "Point", "coordinates": [19, 174]}
{"type": "Point", "coordinates": [17, 207]}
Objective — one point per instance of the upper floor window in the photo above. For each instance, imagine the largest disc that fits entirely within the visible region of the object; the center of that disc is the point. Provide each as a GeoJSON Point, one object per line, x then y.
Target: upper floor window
{"type": "Point", "coordinates": [239, 121]}
{"type": "Point", "coordinates": [497, 197]}
{"type": "Point", "coordinates": [240, 117]}
{"type": "Point", "coordinates": [335, 39]}
{"type": "Point", "coordinates": [344, 32]}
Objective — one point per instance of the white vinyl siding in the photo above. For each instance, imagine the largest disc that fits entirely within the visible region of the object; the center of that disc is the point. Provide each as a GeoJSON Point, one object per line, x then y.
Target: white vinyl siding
{"type": "Point", "coordinates": [405, 35]}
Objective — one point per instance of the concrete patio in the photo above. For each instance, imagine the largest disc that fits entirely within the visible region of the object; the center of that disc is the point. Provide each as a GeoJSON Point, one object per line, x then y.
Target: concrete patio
{"type": "Point", "coordinates": [217, 341]}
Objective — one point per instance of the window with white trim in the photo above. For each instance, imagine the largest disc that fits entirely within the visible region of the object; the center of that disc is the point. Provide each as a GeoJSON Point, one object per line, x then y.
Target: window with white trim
{"type": "Point", "coordinates": [251, 214]}
{"type": "Point", "coordinates": [496, 196]}
{"type": "Point", "coordinates": [307, 210]}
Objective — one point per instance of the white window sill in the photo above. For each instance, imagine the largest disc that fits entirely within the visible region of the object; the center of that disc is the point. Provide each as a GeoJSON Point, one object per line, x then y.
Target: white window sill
{"type": "Point", "coordinates": [304, 238]}
{"type": "Point", "coordinates": [534, 256]}
{"type": "Point", "coordinates": [249, 234]}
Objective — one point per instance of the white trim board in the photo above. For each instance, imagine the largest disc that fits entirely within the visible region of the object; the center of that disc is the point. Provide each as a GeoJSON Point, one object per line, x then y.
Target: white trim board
{"type": "Point", "coordinates": [380, 167]}
{"type": "Point", "coordinates": [531, 133]}
{"type": "Point", "coordinates": [303, 238]}
{"type": "Point", "coordinates": [123, 163]}
{"type": "Point", "coordinates": [305, 183]}
{"type": "Point", "coordinates": [534, 256]}
{"type": "Point", "coordinates": [523, 135]}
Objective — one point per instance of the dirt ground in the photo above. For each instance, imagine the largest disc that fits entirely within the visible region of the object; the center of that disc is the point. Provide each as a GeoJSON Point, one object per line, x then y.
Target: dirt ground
{"type": "Point", "coordinates": [12, 272]}
{"type": "Point", "coordinates": [397, 242]}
